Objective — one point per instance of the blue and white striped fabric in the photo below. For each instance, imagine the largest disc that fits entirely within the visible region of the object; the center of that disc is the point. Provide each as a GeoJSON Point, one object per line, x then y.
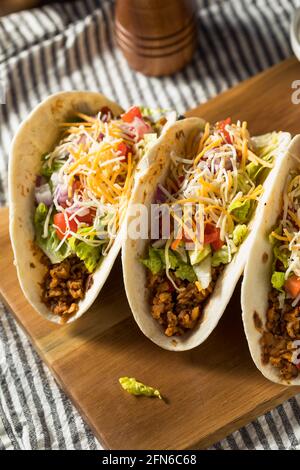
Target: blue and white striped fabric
{"type": "Point", "coordinates": [71, 45]}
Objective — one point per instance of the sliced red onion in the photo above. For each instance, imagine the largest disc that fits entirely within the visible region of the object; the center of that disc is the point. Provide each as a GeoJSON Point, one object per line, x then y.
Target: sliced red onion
{"type": "Point", "coordinates": [106, 114]}
{"type": "Point", "coordinates": [40, 180]}
{"type": "Point", "coordinates": [141, 127]}
{"type": "Point", "coordinates": [82, 211]}
{"type": "Point", "coordinates": [43, 194]}
{"type": "Point", "coordinates": [61, 193]}
{"type": "Point", "coordinates": [100, 137]}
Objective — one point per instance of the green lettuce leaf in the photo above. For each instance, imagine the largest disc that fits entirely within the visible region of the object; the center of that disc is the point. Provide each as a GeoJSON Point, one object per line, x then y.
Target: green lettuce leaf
{"type": "Point", "coordinates": [257, 172]}
{"type": "Point", "coordinates": [239, 234]}
{"type": "Point", "coordinates": [278, 280]}
{"type": "Point", "coordinates": [241, 210]}
{"type": "Point", "coordinates": [196, 256]}
{"type": "Point", "coordinates": [186, 271]}
{"type": "Point", "coordinates": [264, 148]}
{"type": "Point", "coordinates": [281, 255]}
{"type": "Point", "coordinates": [40, 214]}
{"type": "Point", "coordinates": [221, 256]}
{"type": "Point", "coordinates": [243, 183]}
{"type": "Point", "coordinates": [48, 245]}
{"type": "Point", "coordinates": [156, 262]}
{"type": "Point", "coordinates": [278, 254]}
{"type": "Point", "coordinates": [272, 239]}
{"type": "Point", "coordinates": [132, 386]}
{"type": "Point", "coordinates": [90, 255]}
{"type": "Point", "coordinates": [47, 170]}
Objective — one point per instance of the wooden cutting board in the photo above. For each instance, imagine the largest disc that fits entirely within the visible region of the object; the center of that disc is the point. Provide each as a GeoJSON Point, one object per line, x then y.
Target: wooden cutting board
{"type": "Point", "coordinates": [212, 390]}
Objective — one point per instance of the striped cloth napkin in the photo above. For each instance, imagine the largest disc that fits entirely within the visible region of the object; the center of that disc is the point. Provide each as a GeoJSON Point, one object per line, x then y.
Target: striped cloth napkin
{"type": "Point", "coordinates": [71, 45]}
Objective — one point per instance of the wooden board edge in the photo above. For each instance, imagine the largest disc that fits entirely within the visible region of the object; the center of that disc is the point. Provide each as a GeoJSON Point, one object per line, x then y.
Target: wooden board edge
{"type": "Point", "coordinates": [202, 444]}
{"type": "Point", "coordinates": [238, 423]}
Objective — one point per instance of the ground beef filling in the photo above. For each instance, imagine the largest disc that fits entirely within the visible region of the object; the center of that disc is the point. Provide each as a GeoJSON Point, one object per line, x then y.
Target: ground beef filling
{"type": "Point", "coordinates": [64, 285]}
{"type": "Point", "coordinates": [281, 330]}
{"type": "Point", "coordinates": [177, 311]}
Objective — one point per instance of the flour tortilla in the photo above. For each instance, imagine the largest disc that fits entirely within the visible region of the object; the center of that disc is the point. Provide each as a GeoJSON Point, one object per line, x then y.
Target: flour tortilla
{"type": "Point", "coordinates": [134, 272]}
{"type": "Point", "coordinates": [257, 277]}
{"type": "Point", "coordinates": [37, 135]}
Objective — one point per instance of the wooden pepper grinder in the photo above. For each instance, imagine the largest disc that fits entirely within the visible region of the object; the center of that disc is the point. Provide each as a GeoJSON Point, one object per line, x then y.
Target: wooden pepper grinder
{"type": "Point", "coordinates": [157, 37]}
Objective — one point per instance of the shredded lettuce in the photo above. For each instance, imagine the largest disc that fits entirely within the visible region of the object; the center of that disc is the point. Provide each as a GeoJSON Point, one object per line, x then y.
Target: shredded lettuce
{"type": "Point", "coordinates": [47, 170]}
{"type": "Point", "coordinates": [241, 210]}
{"type": "Point", "coordinates": [221, 256]}
{"type": "Point", "coordinates": [281, 255]}
{"type": "Point", "coordinates": [278, 280]}
{"type": "Point", "coordinates": [186, 271]}
{"type": "Point", "coordinates": [156, 263]}
{"type": "Point", "coordinates": [48, 245]}
{"type": "Point", "coordinates": [90, 255]}
{"type": "Point", "coordinates": [196, 256]}
{"type": "Point", "coordinates": [258, 172]}
{"type": "Point", "coordinates": [272, 239]}
{"type": "Point", "coordinates": [243, 183]}
{"type": "Point", "coordinates": [239, 234]}
{"type": "Point", "coordinates": [265, 146]}
{"type": "Point", "coordinates": [132, 386]}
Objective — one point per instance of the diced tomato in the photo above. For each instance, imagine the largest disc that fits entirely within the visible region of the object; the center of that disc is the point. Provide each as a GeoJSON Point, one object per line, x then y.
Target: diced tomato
{"type": "Point", "coordinates": [211, 233]}
{"type": "Point", "coordinates": [124, 149]}
{"type": "Point", "coordinates": [212, 236]}
{"type": "Point", "coordinates": [60, 222]}
{"type": "Point", "coordinates": [87, 218]}
{"type": "Point", "coordinates": [222, 125]}
{"type": "Point", "coordinates": [217, 245]}
{"type": "Point", "coordinates": [292, 285]}
{"type": "Point", "coordinates": [132, 113]}
{"type": "Point", "coordinates": [140, 127]}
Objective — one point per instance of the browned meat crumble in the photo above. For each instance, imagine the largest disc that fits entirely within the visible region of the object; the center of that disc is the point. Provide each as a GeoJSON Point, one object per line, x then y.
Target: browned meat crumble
{"type": "Point", "coordinates": [64, 285]}
{"type": "Point", "coordinates": [282, 328]}
{"type": "Point", "coordinates": [177, 311]}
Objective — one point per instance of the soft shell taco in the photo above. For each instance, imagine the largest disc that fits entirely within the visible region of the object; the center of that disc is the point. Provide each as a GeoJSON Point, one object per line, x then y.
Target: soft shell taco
{"type": "Point", "coordinates": [72, 169]}
{"type": "Point", "coordinates": [271, 285]}
{"type": "Point", "coordinates": [178, 284]}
